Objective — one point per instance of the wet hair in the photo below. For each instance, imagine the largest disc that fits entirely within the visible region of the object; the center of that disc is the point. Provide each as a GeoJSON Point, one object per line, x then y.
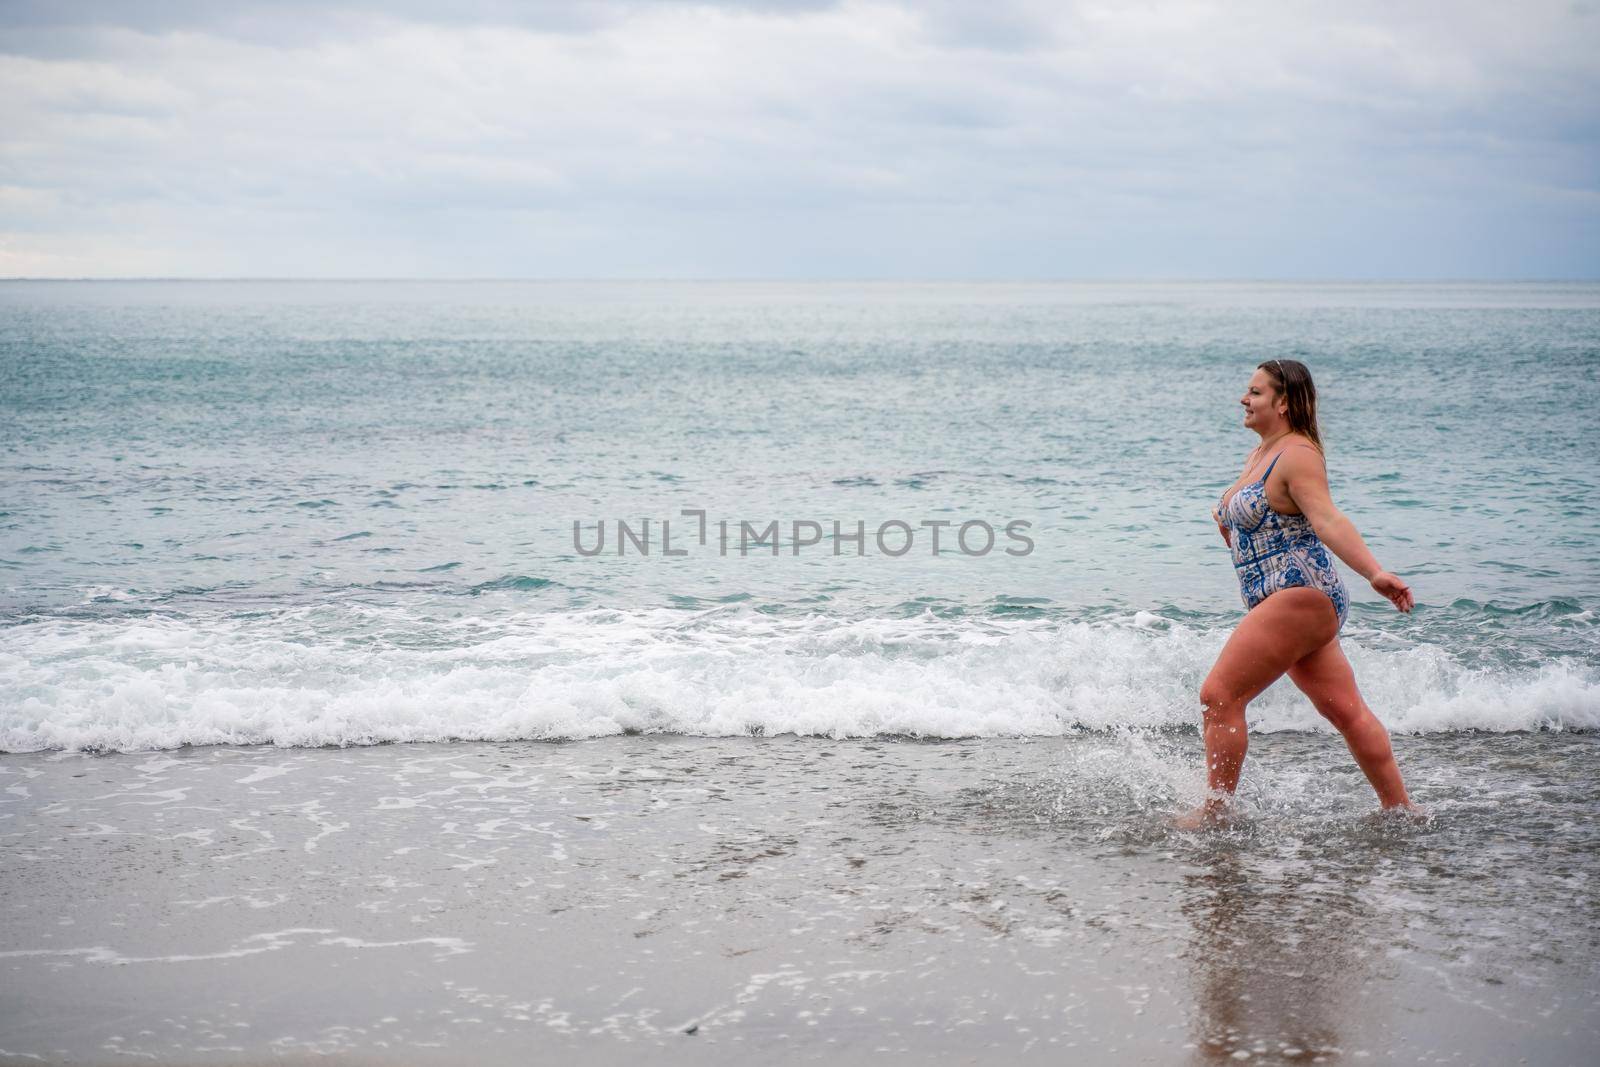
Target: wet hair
{"type": "Point", "coordinates": [1293, 382]}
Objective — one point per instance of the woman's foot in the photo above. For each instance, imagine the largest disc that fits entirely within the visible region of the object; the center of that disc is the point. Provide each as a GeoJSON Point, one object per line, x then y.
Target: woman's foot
{"type": "Point", "coordinates": [1214, 813]}
{"type": "Point", "coordinates": [1409, 810]}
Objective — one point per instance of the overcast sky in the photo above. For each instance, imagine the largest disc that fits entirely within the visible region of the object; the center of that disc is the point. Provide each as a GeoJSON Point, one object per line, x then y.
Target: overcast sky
{"type": "Point", "coordinates": [999, 139]}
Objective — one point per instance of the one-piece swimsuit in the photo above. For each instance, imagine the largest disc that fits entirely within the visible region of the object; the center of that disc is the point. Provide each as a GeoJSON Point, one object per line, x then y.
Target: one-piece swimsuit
{"type": "Point", "coordinates": [1273, 551]}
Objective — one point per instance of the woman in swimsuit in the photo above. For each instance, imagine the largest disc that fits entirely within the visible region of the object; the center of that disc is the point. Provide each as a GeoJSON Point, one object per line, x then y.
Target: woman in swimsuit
{"type": "Point", "coordinates": [1276, 520]}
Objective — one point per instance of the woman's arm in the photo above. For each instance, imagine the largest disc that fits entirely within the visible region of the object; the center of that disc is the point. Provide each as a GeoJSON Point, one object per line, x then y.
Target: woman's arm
{"type": "Point", "coordinates": [1306, 481]}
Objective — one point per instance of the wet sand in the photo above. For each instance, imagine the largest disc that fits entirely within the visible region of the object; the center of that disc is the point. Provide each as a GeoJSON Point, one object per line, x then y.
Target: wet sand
{"type": "Point", "coordinates": [674, 899]}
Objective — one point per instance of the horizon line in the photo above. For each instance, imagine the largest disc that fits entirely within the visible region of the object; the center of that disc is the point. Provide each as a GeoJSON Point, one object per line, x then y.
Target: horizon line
{"type": "Point", "coordinates": [712, 279]}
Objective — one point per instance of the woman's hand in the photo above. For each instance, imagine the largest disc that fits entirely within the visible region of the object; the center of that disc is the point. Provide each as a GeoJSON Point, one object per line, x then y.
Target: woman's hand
{"type": "Point", "coordinates": [1394, 590]}
{"type": "Point", "coordinates": [1216, 517]}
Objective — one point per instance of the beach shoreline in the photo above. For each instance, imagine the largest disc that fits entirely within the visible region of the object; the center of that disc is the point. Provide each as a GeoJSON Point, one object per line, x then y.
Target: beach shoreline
{"type": "Point", "coordinates": [797, 899]}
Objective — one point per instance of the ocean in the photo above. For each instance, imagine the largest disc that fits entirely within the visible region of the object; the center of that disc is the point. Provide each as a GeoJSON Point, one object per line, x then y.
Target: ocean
{"type": "Point", "coordinates": [357, 537]}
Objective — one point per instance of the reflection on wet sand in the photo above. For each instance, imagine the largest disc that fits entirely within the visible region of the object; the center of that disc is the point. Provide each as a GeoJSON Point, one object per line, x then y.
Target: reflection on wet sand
{"type": "Point", "coordinates": [1277, 956]}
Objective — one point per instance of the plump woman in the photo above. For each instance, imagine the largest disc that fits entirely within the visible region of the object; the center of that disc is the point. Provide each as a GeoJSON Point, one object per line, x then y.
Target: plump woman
{"type": "Point", "coordinates": [1279, 522]}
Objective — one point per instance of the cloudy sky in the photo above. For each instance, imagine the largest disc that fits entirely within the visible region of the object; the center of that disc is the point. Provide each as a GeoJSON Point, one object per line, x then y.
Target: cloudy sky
{"type": "Point", "coordinates": [858, 139]}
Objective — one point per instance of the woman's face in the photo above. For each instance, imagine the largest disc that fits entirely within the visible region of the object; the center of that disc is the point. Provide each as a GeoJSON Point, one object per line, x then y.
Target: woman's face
{"type": "Point", "coordinates": [1263, 406]}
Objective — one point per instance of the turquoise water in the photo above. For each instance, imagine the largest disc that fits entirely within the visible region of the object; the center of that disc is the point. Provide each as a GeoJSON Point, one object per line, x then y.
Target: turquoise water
{"type": "Point", "coordinates": [306, 513]}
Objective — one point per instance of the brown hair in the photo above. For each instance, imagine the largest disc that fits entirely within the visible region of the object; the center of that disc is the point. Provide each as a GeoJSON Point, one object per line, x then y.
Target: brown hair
{"type": "Point", "coordinates": [1293, 382]}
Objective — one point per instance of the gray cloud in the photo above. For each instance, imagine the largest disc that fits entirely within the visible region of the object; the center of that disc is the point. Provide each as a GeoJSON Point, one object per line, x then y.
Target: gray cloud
{"type": "Point", "coordinates": [855, 139]}
{"type": "Point", "coordinates": [59, 28]}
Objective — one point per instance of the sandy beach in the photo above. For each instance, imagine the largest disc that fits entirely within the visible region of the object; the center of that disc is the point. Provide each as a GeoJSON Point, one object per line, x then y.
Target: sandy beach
{"type": "Point", "coordinates": [659, 899]}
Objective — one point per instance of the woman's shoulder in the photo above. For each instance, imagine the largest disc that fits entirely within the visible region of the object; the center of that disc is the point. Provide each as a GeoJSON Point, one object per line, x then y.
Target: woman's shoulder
{"type": "Point", "coordinates": [1301, 453]}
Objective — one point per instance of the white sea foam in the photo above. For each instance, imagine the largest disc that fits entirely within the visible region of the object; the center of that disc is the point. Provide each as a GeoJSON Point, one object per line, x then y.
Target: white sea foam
{"type": "Point", "coordinates": [317, 677]}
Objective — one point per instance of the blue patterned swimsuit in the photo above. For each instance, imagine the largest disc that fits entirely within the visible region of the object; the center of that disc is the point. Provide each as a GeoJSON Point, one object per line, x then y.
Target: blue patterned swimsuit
{"type": "Point", "coordinates": [1273, 551]}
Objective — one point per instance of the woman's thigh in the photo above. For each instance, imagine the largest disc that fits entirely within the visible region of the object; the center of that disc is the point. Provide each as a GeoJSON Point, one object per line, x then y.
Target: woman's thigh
{"type": "Point", "coordinates": [1273, 636]}
{"type": "Point", "coordinates": [1327, 679]}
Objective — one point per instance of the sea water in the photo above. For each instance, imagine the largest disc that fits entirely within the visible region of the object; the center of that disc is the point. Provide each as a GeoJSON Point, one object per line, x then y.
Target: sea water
{"type": "Point", "coordinates": [308, 513]}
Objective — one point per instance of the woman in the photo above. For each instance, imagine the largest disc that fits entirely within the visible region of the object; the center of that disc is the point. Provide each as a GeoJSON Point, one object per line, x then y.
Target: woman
{"type": "Point", "coordinates": [1276, 519]}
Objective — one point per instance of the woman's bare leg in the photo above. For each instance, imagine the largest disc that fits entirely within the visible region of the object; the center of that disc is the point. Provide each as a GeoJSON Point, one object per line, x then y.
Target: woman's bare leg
{"type": "Point", "coordinates": [1327, 678]}
{"type": "Point", "coordinates": [1274, 635]}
